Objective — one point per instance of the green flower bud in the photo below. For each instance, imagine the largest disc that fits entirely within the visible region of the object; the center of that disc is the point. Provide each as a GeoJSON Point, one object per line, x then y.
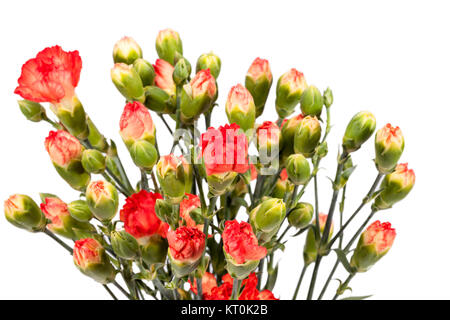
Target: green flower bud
{"type": "Point", "coordinates": [373, 244]}
{"type": "Point", "coordinates": [154, 249]}
{"type": "Point", "coordinates": [389, 145]}
{"type": "Point", "coordinates": [258, 82]}
{"type": "Point", "coordinates": [91, 259]}
{"type": "Point", "coordinates": [290, 87]}
{"type": "Point", "coordinates": [126, 50]}
{"type": "Point", "coordinates": [297, 168]}
{"type": "Point", "coordinates": [24, 213]}
{"type": "Point", "coordinates": [267, 217]}
{"type": "Point", "coordinates": [197, 96]}
{"type": "Point", "coordinates": [282, 186]}
{"type": "Point", "coordinates": [93, 161]}
{"type": "Point", "coordinates": [168, 43]}
{"type": "Point", "coordinates": [96, 139]}
{"type": "Point", "coordinates": [171, 177]}
{"type": "Point", "coordinates": [301, 215]}
{"type": "Point", "coordinates": [103, 200]}
{"type": "Point", "coordinates": [158, 100]}
{"type": "Point", "coordinates": [72, 115]}
{"type": "Point", "coordinates": [311, 102]}
{"type": "Point", "coordinates": [240, 107]}
{"type": "Point", "coordinates": [312, 242]}
{"type": "Point", "coordinates": [128, 82]}
{"type": "Point", "coordinates": [359, 129]}
{"type": "Point", "coordinates": [395, 187]}
{"type": "Point", "coordinates": [181, 72]}
{"type": "Point", "coordinates": [307, 136]}
{"type": "Point", "coordinates": [145, 71]}
{"type": "Point", "coordinates": [79, 210]}
{"type": "Point", "coordinates": [144, 154]}
{"type": "Point", "coordinates": [328, 97]}
{"type": "Point", "coordinates": [220, 183]}
{"type": "Point", "coordinates": [124, 245]}
{"type": "Point", "coordinates": [209, 61]}
{"type": "Point", "coordinates": [61, 222]}
{"type": "Point", "coordinates": [33, 111]}
{"type": "Point", "coordinates": [322, 150]}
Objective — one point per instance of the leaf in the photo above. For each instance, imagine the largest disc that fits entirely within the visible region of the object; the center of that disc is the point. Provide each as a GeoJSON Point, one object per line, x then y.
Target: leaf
{"type": "Point", "coordinates": [343, 259]}
{"type": "Point", "coordinates": [357, 297]}
{"type": "Point", "coordinates": [303, 230]}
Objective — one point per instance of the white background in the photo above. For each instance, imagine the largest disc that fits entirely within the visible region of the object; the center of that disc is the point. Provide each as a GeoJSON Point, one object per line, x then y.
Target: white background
{"type": "Point", "coordinates": [388, 57]}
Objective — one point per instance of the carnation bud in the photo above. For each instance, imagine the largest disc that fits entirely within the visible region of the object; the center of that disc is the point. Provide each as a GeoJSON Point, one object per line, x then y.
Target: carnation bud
{"type": "Point", "coordinates": [311, 102]}
{"type": "Point", "coordinates": [72, 115]}
{"type": "Point", "coordinates": [126, 50]}
{"type": "Point", "coordinates": [93, 161]}
{"type": "Point", "coordinates": [389, 145]}
{"type": "Point", "coordinates": [197, 96]}
{"type": "Point", "coordinates": [144, 154]}
{"type": "Point", "coordinates": [164, 76]}
{"type": "Point", "coordinates": [373, 244]}
{"type": "Point", "coordinates": [240, 107]}
{"type": "Point", "coordinates": [188, 174]}
{"type": "Point", "coordinates": [65, 151]}
{"type": "Point", "coordinates": [154, 249]}
{"type": "Point", "coordinates": [136, 124]}
{"type": "Point", "coordinates": [171, 177]}
{"type": "Point", "coordinates": [312, 242]}
{"type": "Point", "coordinates": [209, 61]}
{"type": "Point", "coordinates": [33, 111]}
{"type": "Point", "coordinates": [128, 82]}
{"type": "Point", "coordinates": [288, 129]}
{"type": "Point", "coordinates": [61, 222]}
{"type": "Point", "coordinates": [268, 138]}
{"type": "Point", "coordinates": [145, 71]}
{"type": "Point", "coordinates": [125, 246]}
{"type": "Point", "coordinates": [307, 136]}
{"type": "Point", "coordinates": [322, 150]}
{"type": "Point", "coordinates": [168, 43]}
{"type": "Point", "coordinates": [395, 187]}
{"type": "Point", "coordinates": [282, 186]}
{"type": "Point", "coordinates": [267, 217]}
{"type": "Point", "coordinates": [328, 97]}
{"type": "Point", "coordinates": [91, 259]}
{"type": "Point", "coordinates": [258, 82]}
{"type": "Point", "coordinates": [290, 87]}
{"type": "Point", "coordinates": [96, 139]}
{"type": "Point", "coordinates": [220, 183]}
{"type": "Point", "coordinates": [301, 215]}
{"type": "Point", "coordinates": [186, 246]}
{"type": "Point", "coordinates": [80, 211]}
{"type": "Point", "coordinates": [297, 168]}
{"type": "Point", "coordinates": [103, 200]}
{"type": "Point", "coordinates": [359, 129]}
{"type": "Point", "coordinates": [24, 213]}
{"type": "Point", "coordinates": [181, 72]}
{"type": "Point", "coordinates": [158, 100]}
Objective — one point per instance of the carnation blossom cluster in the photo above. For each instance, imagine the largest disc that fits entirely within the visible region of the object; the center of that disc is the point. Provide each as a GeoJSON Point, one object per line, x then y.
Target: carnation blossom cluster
{"type": "Point", "coordinates": [206, 219]}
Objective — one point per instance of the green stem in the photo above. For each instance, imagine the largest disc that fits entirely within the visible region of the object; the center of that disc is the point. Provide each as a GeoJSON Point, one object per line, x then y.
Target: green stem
{"type": "Point", "coordinates": [144, 180]}
{"type": "Point", "coordinates": [155, 183]}
{"type": "Point", "coordinates": [235, 292]}
{"type": "Point", "coordinates": [324, 289]}
{"type": "Point", "coordinates": [165, 122]}
{"type": "Point", "coordinates": [109, 291]}
{"type": "Point", "coordinates": [54, 237]}
{"type": "Point", "coordinates": [316, 206]}
{"type": "Point", "coordinates": [344, 285]}
{"type": "Point", "coordinates": [260, 273]}
{"type": "Point", "coordinates": [363, 203]}
{"type": "Point", "coordinates": [118, 286]}
{"type": "Point", "coordinates": [297, 288]}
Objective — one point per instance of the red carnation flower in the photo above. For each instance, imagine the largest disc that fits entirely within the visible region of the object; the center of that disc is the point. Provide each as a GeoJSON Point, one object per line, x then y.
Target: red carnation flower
{"type": "Point", "coordinates": [208, 283]}
{"type": "Point", "coordinates": [225, 150]}
{"type": "Point", "coordinates": [186, 244]}
{"type": "Point", "coordinates": [139, 215]}
{"type": "Point", "coordinates": [50, 77]}
{"type": "Point", "coordinates": [63, 147]}
{"type": "Point", "coordinates": [240, 242]}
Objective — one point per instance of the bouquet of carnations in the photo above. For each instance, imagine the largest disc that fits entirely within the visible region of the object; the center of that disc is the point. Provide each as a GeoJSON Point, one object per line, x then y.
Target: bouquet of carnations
{"type": "Point", "coordinates": [207, 218]}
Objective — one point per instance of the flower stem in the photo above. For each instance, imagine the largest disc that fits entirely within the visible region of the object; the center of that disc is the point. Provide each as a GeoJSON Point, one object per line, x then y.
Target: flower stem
{"type": "Point", "coordinates": [54, 237]}
{"type": "Point", "coordinates": [344, 285]}
{"type": "Point", "coordinates": [235, 292]}
{"type": "Point", "coordinates": [302, 274]}
{"type": "Point", "coordinates": [118, 286]}
{"type": "Point", "coordinates": [155, 183]}
{"type": "Point", "coordinates": [109, 291]}
{"type": "Point", "coordinates": [144, 180]}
